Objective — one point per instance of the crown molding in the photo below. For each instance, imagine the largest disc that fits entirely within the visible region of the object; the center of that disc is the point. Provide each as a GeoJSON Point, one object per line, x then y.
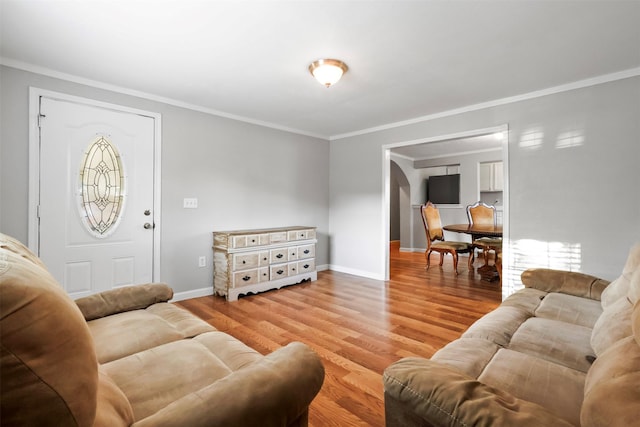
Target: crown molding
{"type": "Point", "coordinates": [606, 78]}
{"type": "Point", "coordinates": [12, 63]}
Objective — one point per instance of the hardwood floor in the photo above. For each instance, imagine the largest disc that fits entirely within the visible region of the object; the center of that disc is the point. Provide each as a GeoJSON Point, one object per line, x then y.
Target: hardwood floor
{"type": "Point", "coordinates": [358, 326]}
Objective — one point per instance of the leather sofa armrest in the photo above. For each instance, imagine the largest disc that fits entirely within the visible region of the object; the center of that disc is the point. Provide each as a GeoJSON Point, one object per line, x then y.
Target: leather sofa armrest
{"type": "Point", "coordinates": [123, 299]}
{"type": "Point", "coordinates": [421, 392]}
{"type": "Point", "coordinates": [566, 282]}
{"type": "Point", "coordinates": [274, 391]}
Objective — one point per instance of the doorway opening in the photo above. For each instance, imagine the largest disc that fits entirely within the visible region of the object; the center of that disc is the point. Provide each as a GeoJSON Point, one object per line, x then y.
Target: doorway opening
{"type": "Point", "coordinates": [404, 166]}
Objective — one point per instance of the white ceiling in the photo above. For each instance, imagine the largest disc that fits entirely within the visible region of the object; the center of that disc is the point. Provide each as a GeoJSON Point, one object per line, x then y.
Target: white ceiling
{"type": "Point", "coordinates": [450, 147]}
{"type": "Point", "coordinates": [249, 59]}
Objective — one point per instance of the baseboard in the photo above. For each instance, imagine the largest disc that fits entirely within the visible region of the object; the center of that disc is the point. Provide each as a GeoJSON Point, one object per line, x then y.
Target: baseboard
{"type": "Point", "coordinates": [355, 272]}
{"type": "Point", "coordinates": [195, 293]}
{"type": "Point", "coordinates": [413, 249]}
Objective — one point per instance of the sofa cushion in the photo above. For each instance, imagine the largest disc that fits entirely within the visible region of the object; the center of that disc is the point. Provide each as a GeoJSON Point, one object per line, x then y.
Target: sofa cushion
{"type": "Point", "coordinates": [113, 408]}
{"type": "Point", "coordinates": [539, 381]}
{"type": "Point", "coordinates": [611, 392]}
{"type": "Point", "coordinates": [620, 286]}
{"type": "Point", "coordinates": [130, 332]}
{"type": "Point", "coordinates": [613, 325]}
{"type": "Point", "coordinates": [570, 309]}
{"type": "Point", "coordinates": [558, 342]}
{"type": "Point", "coordinates": [154, 378]}
{"type": "Point", "coordinates": [527, 299]}
{"type": "Point", "coordinates": [634, 287]}
{"type": "Point", "coordinates": [49, 369]}
{"type": "Point", "coordinates": [122, 299]}
{"type": "Point", "coordinates": [499, 325]}
{"type": "Point", "coordinates": [468, 355]}
{"type": "Point", "coordinates": [14, 245]}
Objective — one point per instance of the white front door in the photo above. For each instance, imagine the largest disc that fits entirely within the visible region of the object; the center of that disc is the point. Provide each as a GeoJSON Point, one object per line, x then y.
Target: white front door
{"type": "Point", "coordinates": [96, 196]}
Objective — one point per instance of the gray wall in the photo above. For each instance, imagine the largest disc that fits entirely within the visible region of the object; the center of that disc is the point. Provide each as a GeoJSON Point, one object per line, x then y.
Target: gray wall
{"type": "Point", "coordinates": [573, 180]}
{"type": "Point", "coordinates": [244, 176]}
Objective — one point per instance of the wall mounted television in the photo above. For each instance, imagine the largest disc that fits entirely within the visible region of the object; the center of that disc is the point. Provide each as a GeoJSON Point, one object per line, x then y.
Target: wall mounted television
{"type": "Point", "coordinates": [444, 189]}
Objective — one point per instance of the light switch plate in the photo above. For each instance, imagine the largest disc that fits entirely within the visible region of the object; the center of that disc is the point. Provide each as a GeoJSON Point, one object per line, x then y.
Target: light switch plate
{"type": "Point", "coordinates": [191, 203]}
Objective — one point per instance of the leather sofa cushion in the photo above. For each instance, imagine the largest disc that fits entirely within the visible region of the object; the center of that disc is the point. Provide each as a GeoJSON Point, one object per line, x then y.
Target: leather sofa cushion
{"type": "Point", "coordinates": [468, 355]}
{"type": "Point", "coordinates": [498, 326]}
{"type": "Point", "coordinates": [154, 378]}
{"type": "Point", "coordinates": [570, 309]}
{"type": "Point", "coordinates": [558, 342]}
{"type": "Point", "coordinates": [613, 325]}
{"type": "Point", "coordinates": [11, 244]}
{"type": "Point", "coordinates": [538, 381]}
{"type": "Point", "coordinates": [527, 299]}
{"type": "Point", "coordinates": [619, 288]}
{"type": "Point", "coordinates": [130, 332]}
{"type": "Point", "coordinates": [113, 408]}
{"type": "Point", "coordinates": [611, 392]}
{"type": "Point", "coordinates": [122, 299]}
{"type": "Point", "coordinates": [53, 371]}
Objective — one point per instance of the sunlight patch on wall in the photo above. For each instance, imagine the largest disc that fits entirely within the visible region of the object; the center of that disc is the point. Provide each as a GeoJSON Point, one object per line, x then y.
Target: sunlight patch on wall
{"type": "Point", "coordinates": [531, 139]}
{"type": "Point", "coordinates": [529, 253]}
{"type": "Point", "coordinates": [569, 139]}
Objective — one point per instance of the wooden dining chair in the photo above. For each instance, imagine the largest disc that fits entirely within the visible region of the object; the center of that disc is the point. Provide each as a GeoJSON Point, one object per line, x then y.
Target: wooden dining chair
{"type": "Point", "coordinates": [482, 214]}
{"type": "Point", "coordinates": [436, 241]}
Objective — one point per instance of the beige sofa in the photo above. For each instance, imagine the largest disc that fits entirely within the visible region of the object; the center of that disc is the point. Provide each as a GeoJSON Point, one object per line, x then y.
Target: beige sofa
{"type": "Point", "coordinates": [563, 351]}
{"type": "Point", "coordinates": [127, 357]}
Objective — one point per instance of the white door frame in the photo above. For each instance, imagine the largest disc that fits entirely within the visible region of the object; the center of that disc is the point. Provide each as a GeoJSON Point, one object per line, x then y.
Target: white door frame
{"type": "Point", "coordinates": [33, 239]}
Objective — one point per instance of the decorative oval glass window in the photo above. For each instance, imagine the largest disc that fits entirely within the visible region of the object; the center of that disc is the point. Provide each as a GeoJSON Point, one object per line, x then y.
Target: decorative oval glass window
{"type": "Point", "coordinates": [102, 187]}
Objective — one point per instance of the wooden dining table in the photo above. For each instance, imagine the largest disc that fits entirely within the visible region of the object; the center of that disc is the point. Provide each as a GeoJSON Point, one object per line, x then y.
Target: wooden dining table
{"type": "Point", "coordinates": [476, 230]}
{"type": "Point", "coordinates": [487, 272]}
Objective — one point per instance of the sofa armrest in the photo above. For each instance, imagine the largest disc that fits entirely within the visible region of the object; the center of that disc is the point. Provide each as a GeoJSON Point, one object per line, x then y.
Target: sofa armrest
{"type": "Point", "coordinates": [274, 391]}
{"type": "Point", "coordinates": [566, 282]}
{"type": "Point", "coordinates": [123, 299]}
{"type": "Point", "coordinates": [421, 392]}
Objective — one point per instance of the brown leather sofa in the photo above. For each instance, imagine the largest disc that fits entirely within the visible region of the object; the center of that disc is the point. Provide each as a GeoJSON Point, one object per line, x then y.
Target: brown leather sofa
{"type": "Point", "coordinates": [127, 357]}
{"type": "Point", "coordinates": [563, 351]}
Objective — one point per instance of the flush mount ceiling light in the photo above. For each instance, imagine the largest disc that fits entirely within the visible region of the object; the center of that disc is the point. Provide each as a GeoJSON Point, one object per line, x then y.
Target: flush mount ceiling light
{"type": "Point", "coordinates": [328, 71]}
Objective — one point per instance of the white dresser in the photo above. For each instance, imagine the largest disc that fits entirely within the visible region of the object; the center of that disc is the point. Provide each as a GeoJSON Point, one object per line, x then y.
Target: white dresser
{"type": "Point", "coordinates": [251, 261]}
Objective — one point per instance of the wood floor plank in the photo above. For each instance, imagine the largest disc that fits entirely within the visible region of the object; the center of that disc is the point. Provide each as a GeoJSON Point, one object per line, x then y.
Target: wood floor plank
{"type": "Point", "coordinates": [358, 326]}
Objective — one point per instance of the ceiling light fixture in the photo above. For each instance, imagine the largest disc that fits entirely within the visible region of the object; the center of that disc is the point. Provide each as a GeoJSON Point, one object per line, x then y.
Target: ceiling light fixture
{"type": "Point", "coordinates": [328, 71]}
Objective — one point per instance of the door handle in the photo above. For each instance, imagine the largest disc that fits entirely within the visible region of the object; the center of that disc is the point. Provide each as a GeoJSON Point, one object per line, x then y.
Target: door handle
{"type": "Point", "coordinates": [148, 225]}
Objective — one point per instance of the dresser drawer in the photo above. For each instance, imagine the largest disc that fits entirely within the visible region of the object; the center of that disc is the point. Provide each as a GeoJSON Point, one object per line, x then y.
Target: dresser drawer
{"type": "Point", "coordinates": [278, 237]}
{"type": "Point", "coordinates": [263, 258]}
{"type": "Point", "coordinates": [245, 278]}
{"type": "Point", "coordinates": [301, 234]}
{"type": "Point", "coordinates": [306, 266]}
{"type": "Point", "coordinates": [278, 255]}
{"type": "Point", "coordinates": [307, 251]}
{"type": "Point", "coordinates": [279, 271]}
{"type": "Point", "coordinates": [246, 261]}
{"type": "Point", "coordinates": [293, 268]}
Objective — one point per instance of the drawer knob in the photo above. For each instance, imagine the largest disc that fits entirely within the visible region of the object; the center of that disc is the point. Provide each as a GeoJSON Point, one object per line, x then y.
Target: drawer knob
{"type": "Point", "coordinates": [279, 256]}
{"type": "Point", "coordinates": [280, 271]}
{"type": "Point", "coordinates": [246, 278]}
{"type": "Point", "coordinates": [306, 251]}
{"type": "Point", "coordinates": [244, 262]}
{"type": "Point", "coordinates": [306, 266]}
